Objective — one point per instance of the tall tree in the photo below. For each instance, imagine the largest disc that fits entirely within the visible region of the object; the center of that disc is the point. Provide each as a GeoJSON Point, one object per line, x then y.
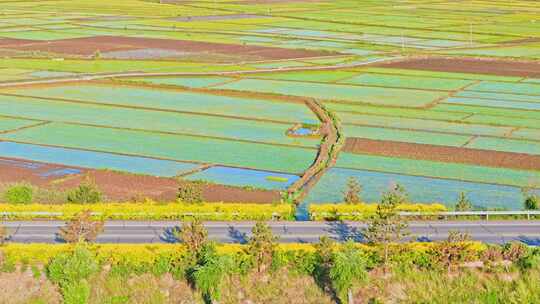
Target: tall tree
{"type": "Point", "coordinates": [352, 192]}
{"type": "Point", "coordinates": [386, 226]}
{"type": "Point", "coordinates": [463, 203]}
{"type": "Point", "coordinates": [82, 228]}
{"type": "Point", "coordinates": [194, 235]}
{"type": "Point", "coordinates": [261, 246]}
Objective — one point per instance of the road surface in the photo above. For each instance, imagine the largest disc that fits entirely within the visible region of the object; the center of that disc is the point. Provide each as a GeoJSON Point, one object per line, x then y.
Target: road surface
{"type": "Point", "coordinates": [288, 232]}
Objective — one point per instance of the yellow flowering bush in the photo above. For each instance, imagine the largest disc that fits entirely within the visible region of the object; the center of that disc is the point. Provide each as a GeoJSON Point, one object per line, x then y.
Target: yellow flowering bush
{"type": "Point", "coordinates": [151, 211]}
{"type": "Point", "coordinates": [319, 212]}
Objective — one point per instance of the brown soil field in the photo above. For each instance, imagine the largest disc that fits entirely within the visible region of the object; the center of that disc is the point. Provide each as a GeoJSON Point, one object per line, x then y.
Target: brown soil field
{"type": "Point", "coordinates": [442, 153]}
{"type": "Point", "coordinates": [73, 47]}
{"type": "Point", "coordinates": [89, 45]}
{"type": "Point", "coordinates": [13, 171]}
{"type": "Point", "coordinates": [6, 42]}
{"type": "Point", "coordinates": [469, 65]}
{"type": "Point", "coordinates": [121, 187]}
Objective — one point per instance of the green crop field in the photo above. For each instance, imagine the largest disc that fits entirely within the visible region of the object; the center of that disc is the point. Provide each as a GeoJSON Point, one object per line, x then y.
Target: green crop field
{"type": "Point", "coordinates": [251, 84]}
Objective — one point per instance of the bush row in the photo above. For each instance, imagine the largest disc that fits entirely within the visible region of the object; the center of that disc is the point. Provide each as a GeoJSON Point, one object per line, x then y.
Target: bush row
{"type": "Point", "coordinates": [322, 212]}
{"type": "Point", "coordinates": [144, 256]}
{"type": "Point", "coordinates": [151, 211]}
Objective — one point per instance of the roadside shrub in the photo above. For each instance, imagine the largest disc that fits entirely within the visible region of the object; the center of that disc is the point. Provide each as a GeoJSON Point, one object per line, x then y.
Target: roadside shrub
{"type": "Point", "coordinates": [352, 193]}
{"type": "Point", "coordinates": [76, 293]}
{"type": "Point", "coordinates": [71, 271]}
{"type": "Point", "coordinates": [85, 193]}
{"type": "Point", "coordinates": [19, 194]}
{"type": "Point", "coordinates": [190, 193]}
{"type": "Point", "coordinates": [531, 202]}
{"type": "Point", "coordinates": [514, 251]}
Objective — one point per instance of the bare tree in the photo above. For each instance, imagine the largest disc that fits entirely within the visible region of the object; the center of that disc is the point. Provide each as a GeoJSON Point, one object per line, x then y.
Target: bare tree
{"type": "Point", "coordinates": [193, 235]}
{"type": "Point", "coordinates": [82, 228]}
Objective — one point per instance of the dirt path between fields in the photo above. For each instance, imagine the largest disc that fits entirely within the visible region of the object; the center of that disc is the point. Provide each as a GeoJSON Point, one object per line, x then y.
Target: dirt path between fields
{"type": "Point", "coordinates": [327, 154]}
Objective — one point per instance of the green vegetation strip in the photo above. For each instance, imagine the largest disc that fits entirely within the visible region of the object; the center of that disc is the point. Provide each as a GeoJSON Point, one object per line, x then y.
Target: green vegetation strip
{"type": "Point", "coordinates": [355, 94]}
{"type": "Point", "coordinates": [8, 124]}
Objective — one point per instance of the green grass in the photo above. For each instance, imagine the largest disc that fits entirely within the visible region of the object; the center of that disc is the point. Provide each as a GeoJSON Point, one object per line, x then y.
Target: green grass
{"type": "Point", "coordinates": [314, 76]}
{"type": "Point", "coordinates": [113, 66]}
{"type": "Point", "coordinates": [355, 94]}
{"type": "Point", "coordinates": [507, 145]}
{"type": "Point", "coordinates": [418, 137]}
{"type": "Point", "coordinates": [399, 81]}
{"type": "Point", "coordinates": [424, 124]}
{"type": "Point", "coordinates": [7, 124]}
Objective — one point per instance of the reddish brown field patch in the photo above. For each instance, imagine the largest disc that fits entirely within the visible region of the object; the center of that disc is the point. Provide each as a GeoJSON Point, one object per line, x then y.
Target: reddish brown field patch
{"type": "Point", "coordinates": [442, 153]}
{"type": "Point", "coordinates": [89, 45]}
{"type": "Point", "coordinates": [6, 42]}
{"type": "Point", "coordinates": [469, 65]}
{"type": "Point", "coordinates": [122, 187]}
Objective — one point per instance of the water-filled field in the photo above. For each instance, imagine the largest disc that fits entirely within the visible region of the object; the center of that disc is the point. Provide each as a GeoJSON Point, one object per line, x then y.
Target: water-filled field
{"type": "Point", "coordinates": [245, 178]}
{"type": "Point", "coordinates": [164, 87]}
{"type": "Point", "coordinates": [168, 146]}
{"type": "Point", "coordinates": [420, 189]}
{"type": "Point", "coordinates": [99, 160]}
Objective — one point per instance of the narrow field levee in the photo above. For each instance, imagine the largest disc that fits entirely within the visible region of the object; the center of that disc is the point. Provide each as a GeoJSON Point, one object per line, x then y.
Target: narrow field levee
{"type": "Point", "coordinates": [327, 155]}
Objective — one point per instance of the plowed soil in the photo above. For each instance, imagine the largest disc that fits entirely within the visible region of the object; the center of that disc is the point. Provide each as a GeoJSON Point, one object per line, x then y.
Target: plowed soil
{"type": "Point", "coordinates": [89, 45]}
{"type": "Point", "coordinates": [120, 187]}
{"type": "Point", "coordinates": [443, 154]}
{"type": "Point", "coordinates": [5, 42]}
{"type": "Point", "coordinates": [469, 65]}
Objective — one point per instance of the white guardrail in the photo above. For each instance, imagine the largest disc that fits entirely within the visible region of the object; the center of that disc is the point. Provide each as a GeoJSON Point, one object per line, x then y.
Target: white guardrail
{"type": "Point", "coordinates": [445, 214]}
{"type": "Point", "coordinates": [485, 214]}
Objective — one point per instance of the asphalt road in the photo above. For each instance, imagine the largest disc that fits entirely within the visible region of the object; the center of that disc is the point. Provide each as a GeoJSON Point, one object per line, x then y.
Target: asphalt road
{"type": "Point", "coordinates": [288, 232]}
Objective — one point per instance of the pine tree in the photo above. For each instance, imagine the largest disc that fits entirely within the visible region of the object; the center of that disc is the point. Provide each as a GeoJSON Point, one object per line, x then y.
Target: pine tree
{"type": "Point", "coordinates": [463, 203]}
{"type": "Point", "coordinates": [387, 226]}
{"type": "Point", "coordinates": [261, 246]}
{"type": "Point", "coordinates": [352, 193]}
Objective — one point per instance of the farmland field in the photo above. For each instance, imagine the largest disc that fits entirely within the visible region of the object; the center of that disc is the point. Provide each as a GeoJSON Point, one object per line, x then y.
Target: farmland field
{"type": "Point", "coordinates": [255, 95]}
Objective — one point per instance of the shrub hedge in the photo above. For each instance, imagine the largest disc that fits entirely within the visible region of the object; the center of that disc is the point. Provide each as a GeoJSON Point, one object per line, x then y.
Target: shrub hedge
{"type": "Point", "coordinates": [151, 211]}
{"type": "Point", "coordinates": [148, 254]}
{"type": "Point", "coordinates": [322, 212]}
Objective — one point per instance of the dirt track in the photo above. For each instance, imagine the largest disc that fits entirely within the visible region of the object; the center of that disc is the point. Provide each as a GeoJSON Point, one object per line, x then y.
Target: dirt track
{"type": "Point", "coordinates": [469, 65]}
{"type": "Point", "coordinates": [443, 153]}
